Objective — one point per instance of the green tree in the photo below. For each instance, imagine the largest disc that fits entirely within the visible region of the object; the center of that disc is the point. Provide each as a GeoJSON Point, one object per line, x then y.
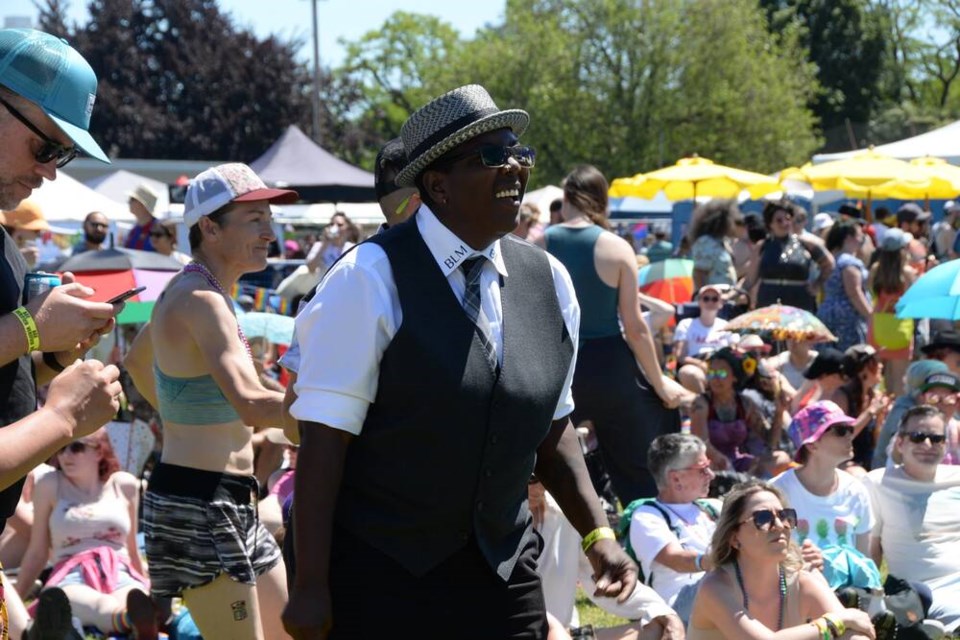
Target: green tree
{"type": "Point", "coordinates": [179, 79]}
{"type": "Point", "coordinates": [847, 41]}
{"type": "Point", "coordinates": [632, 85]}
{"type": "Point", "coordinates": [399, 67]}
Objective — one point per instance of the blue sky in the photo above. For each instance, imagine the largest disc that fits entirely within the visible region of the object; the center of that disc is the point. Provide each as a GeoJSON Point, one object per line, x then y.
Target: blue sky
{"type": "Point", "coordinates": [347, 19]}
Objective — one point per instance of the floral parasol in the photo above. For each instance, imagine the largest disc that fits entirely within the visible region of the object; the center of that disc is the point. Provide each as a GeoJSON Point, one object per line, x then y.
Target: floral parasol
{"type": "Point", "coordinates": [782, 322]}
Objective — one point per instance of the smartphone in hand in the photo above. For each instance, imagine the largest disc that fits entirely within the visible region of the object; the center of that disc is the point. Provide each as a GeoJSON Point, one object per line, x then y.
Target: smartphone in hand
{"type": "Point", "coordinates": [126, 295]}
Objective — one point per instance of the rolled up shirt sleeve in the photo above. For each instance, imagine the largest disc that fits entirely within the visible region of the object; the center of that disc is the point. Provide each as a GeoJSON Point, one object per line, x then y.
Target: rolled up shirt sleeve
{"type": "Point", "coordinates": [343, 333]}
{"type": "Point", "coordinates": [570, 310]}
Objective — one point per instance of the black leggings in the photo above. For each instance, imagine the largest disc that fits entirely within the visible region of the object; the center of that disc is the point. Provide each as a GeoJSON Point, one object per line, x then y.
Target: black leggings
{"type": "Point", "coordinates": [610, 390]}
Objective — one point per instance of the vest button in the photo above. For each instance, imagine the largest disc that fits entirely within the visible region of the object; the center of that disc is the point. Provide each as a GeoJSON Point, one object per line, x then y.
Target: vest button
{"type": "Point", "coordinates": [493, 439]}
{"type": "Point", "coordinates": [480, 505]}
{"type": "Point", "coordinates": [487, 473]}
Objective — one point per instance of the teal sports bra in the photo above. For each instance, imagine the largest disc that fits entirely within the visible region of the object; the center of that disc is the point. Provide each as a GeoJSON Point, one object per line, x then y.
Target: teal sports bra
{"type": "Point", "coordinates": [197, 400]}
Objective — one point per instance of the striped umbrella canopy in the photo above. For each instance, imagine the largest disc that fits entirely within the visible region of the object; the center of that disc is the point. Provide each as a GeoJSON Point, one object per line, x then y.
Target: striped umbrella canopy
{"type": "Point", "coordinates": [669, 280]}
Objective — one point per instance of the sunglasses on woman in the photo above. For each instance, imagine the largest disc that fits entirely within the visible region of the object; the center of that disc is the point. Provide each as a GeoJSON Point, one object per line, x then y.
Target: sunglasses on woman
{"type": "Point", "coordinates": [709, 299]}
{"type": "Point", "coordinates": [720, 374]}
{"type": "Point", "coordinates": [51, 149]}
{"type": "Point", "coordinates": [75, 447]}
{"type": "Point", "coordinates": [842, 430]}
{"type": "Point", "coordinates": [763, 518]}
{"type": "Point", "coordinates": [495, 156]}
{"type": "Point", "coordinates": [159, 234]}
{"type": "Point", "coordinates": [917, 437]}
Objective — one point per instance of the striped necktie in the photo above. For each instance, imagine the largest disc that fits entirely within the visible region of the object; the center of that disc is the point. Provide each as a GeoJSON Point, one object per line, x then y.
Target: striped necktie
{"type": "Point", "coordinates": [472, 269]}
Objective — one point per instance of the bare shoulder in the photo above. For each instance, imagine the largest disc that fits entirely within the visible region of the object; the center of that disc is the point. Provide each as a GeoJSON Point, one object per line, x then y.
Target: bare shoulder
{"type": "Point", "coordinates": [612, 244]}
{"type": "Point", "coordinates": [128, 483]}
{"type": "Point", "coordinates": [45, 488]}
{"type": "Point", "coordinates": [715, 588]}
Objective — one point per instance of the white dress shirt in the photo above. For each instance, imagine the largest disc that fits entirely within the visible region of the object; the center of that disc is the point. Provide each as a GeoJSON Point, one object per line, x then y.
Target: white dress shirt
{"type": "Point", "coordinates": [344, 331]}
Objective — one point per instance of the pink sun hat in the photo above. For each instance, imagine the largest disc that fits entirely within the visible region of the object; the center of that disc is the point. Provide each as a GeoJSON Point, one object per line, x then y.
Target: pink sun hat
{"type": "Point", "coordinates": [811, 422]}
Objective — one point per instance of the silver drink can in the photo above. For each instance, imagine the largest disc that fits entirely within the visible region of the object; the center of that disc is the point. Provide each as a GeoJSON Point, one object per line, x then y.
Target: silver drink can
{"type": "Point", "coordinates": [38, 283]}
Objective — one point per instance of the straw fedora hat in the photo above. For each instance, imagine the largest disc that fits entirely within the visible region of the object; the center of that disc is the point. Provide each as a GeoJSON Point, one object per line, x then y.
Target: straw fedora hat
{"type": "Point", "coordinates": [450, 120]}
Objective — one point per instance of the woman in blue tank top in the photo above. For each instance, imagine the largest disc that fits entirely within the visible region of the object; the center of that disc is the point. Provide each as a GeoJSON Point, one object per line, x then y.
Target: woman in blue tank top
{"type": "Point", "coordinates": [617, 384]}
{"type": "Point", "coordinates": [203, 538]}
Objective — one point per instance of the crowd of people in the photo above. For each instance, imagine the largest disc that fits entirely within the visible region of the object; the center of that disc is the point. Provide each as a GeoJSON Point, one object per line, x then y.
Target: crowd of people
{"type": "Point", "coordinates": [475, 415]}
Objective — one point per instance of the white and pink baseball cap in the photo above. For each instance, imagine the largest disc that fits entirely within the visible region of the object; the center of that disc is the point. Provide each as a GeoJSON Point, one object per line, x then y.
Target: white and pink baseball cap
{"type": "Point", "coordinates": [219, 186]}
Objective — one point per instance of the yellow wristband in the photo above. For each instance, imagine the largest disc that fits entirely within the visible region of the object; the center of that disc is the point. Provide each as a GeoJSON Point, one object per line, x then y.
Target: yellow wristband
{"type": "Point", "coordinates": [29, 328]}
{"type": "Point", "coordinates": [822, 629]}
{"type": "Point", "coordinates": [835, 623]}
{"type": "Point", "coordinates": [600, 533]}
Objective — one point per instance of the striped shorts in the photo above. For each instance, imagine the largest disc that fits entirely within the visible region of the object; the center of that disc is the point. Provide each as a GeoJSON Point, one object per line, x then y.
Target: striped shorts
{"type": "Point", "coordinates": [199, 524]}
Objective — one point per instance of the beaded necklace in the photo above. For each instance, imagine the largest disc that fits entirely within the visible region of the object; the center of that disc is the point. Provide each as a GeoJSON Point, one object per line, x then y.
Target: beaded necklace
{"type": "Point", "coordinates": [746, 599]}
{"type": "Point", "coordinates": [198, 267]}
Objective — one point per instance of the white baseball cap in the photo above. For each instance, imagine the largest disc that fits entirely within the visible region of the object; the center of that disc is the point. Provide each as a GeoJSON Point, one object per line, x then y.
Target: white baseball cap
{"type": "Point", "coordinates": [219, 186]}
{"type": "Point", "coordinates": [822, 221]}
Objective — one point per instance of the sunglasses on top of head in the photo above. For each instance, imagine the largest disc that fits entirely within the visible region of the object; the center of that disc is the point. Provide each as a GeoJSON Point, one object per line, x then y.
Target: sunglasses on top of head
{"type": "Point", "coordinates": [764, 518]}
{"type": "Point", "coordinates": [495, 156]}
{"type": "Point", "coordinates": [51, 149]}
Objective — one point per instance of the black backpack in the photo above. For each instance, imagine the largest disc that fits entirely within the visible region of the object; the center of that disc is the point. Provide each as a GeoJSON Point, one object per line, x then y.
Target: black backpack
{"type": "Point", "coordinates": [624, 529]}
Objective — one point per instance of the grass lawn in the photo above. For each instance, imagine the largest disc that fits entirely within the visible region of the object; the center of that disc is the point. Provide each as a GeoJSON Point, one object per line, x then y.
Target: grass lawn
{"type": "Point", "coordinates": [592, 614]}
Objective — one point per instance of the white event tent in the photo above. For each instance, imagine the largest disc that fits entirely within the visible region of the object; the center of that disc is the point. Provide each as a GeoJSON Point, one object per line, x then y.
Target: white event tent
{"type": "Point", "coordinates": [939, 143]}
{"type": "Point", "coordinates": [66, 202]}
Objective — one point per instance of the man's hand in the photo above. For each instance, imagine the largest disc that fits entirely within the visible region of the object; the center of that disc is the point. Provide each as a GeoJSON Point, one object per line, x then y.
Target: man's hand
{"type": "Point", "coordinates": [308, 614]}
{"type": "Point", "coordinates": [811, 555]}
{"type": "Point", "coordinates": [537, 499]}
{"type": "Point", "coordinates": [613, 570]}
{"type": "Point", "coordinates": [672, 627]}
{"type": "Point", "coordinates": [86, 394]}
{"type": "Point", "coordinates": [67, 321]}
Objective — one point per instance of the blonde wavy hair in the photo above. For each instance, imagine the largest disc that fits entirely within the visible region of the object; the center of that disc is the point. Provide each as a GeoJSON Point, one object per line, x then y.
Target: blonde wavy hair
{"type": "Point", "coordinates": [731, 516]}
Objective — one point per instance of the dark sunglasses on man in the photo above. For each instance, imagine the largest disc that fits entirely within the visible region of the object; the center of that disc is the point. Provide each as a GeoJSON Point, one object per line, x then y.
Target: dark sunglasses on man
{"type": "Point", "coordinates": [51, 149]}
{"type": "Point", "coordinates": [763, 518]}
{"type": "Point", "coordinates": [917, 437]}
{"type": "Point", "coordinates": [495, 156]}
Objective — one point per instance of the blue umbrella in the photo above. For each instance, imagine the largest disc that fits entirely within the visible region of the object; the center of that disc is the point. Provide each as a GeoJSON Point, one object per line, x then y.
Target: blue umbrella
{"type": "Point", "coordinates": [935, 294]}
{"type": "Point", "coordinates": [276, 328]}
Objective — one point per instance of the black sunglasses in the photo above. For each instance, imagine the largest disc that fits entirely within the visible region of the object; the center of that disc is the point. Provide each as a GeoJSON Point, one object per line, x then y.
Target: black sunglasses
{"type": "Point", "coordinates": [917, 437]}
{"type": "Point", "coordinates": [75, 447]}
{"type": "Point", "coordinates": [495, 156]}
{"type": "Point", "coordinates": [159, 234]}
{"type": "Point", "coordinates": [842, 430]}
{"type": "Point", "coordinates": [763, 518]}
{"type": "Point", "coordinates": [51, 149]}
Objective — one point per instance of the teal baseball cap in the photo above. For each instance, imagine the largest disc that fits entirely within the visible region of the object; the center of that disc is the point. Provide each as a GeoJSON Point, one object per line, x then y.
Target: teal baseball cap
{"type": "Point", "coordinates": [47, 71]}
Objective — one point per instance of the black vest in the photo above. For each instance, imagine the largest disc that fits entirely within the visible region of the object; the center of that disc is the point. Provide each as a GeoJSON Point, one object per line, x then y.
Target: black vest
{"type": "Point", "coordinates": [17, 389]}
{"type": "Point", "coordinates": [448, 445]}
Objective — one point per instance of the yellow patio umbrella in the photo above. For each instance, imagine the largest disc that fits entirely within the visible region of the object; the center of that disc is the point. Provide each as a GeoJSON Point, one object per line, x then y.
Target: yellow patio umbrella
{"type": "Point", "coordinates": [864, 175]}
{"type": "Point", "coordinates": [693, 177]}
{"type": "Point", "coordinates": [944, 181]}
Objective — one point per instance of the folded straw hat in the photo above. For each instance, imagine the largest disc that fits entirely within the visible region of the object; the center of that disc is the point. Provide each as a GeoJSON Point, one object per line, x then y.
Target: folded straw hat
{"type": "Point", "coordinates": [450, 120]}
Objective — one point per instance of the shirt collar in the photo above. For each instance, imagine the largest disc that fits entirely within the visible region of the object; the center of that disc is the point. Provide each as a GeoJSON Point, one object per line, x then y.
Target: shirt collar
{"type": "Point", "coordinates": [450, 251]}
